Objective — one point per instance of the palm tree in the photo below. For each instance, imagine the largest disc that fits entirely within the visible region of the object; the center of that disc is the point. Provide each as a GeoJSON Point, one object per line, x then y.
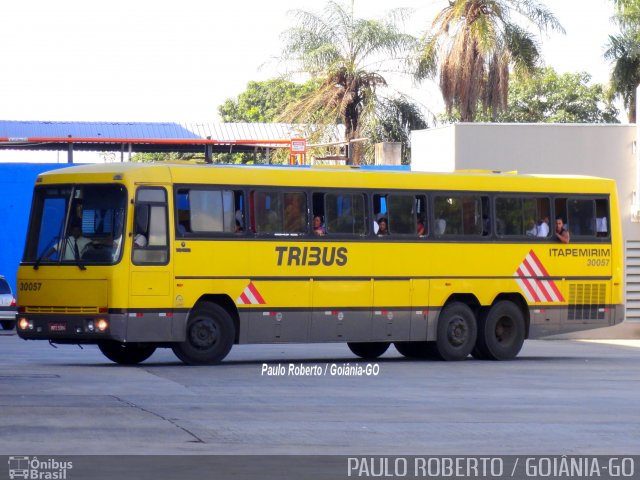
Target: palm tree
{"type": "Point", "coordinates": [624, 50]}
{"type": "Point", "coordinates": [474, 45]}
{"type": "Point", "coordinates": [347, 56]}
{"type": "Point", "coordinates": [627, 13]}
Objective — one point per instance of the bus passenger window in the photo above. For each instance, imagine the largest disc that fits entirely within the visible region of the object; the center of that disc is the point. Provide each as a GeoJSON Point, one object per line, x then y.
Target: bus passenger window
{"type": "Point", "coordinates": [345, 213]}
{"type": "Point", "coordinates": [461, 215]}
{"type": "Point", "coordinates": [207, 211]}
{"type": "Point", "coordinates": [280, 213]}
{"type": "Point", "coordinates": [582, 220]}
{"type": "Point", "coordinates": [405, 214]}
{"type": "Point", "coordinates": [602, 215]}
{"type": "Point", "coordinates": [520, 216]}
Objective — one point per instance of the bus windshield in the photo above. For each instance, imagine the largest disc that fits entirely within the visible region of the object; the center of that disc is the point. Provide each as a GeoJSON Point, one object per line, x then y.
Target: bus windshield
{"type": "Point", "coordinates": [76, 225]}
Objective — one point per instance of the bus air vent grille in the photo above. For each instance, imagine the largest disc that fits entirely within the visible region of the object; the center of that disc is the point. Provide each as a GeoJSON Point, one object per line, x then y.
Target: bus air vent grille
{"type": "Point", "coordinates": [587, 301]}
{"type": "Point", "coordinates": [63, 310]}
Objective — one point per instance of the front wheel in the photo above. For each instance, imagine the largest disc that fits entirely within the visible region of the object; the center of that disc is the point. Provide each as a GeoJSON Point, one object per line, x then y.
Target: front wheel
{"type": "Point", "coordinates": [457, 331]}
{"type": "Point", "coordinates": [501, 332]}
{"type": "Point", "coordinates": [209, 337]}
{"type": "Point", "coordinates": [126, 353]}
{"type": "Point", "coordinates": [368, 350]}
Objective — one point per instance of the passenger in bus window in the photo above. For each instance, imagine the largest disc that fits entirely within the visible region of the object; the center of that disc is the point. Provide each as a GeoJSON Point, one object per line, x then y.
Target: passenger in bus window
{"type": "Point", "coordinates": [383, 228]}
{"type": "Point", "coordinates": [318, 229]}
{"type": "Point", "coordinates": [532, 229]}
{"type": "Point", "coordinates": [239, 228]}
{"type": "Point", "coordinates": [562, 233]}
{"type": "Point", "coordinates": [294, 221]}
{"type": "Point", "coordinates": [420, 230]}
{"type": "Point", "coordinates": [543, 227]}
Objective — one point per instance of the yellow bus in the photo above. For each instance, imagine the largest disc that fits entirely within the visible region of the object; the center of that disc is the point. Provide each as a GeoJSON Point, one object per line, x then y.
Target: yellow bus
{"type": "Point", "coordinates": [133, 257]}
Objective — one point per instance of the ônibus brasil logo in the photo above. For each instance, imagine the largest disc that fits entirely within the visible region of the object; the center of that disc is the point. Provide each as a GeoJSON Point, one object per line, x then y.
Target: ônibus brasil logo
{"type": "Point", "coordinates": [38, 469]}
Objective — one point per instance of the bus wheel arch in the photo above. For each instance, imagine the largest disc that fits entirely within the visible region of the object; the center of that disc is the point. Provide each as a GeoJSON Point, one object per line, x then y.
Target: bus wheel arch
{"type": "Point", "coordinates": [502, 329]}
{"type": "Point", "coordinates": [210, 333]}
{"type": "Point", "coordinates": [225, 302]}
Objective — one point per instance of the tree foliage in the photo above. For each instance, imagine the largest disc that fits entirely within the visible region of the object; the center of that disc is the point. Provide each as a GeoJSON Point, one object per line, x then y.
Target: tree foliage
{"type": "Point", "coordinates": [346, 56]}
{"type": "Point", "coordinates": [474, 45]}
{"type": "Point", "coordinates": [165, 156]}
{"type": "Point", "coordinates": [263, 101]}
{"type": "Point", "coordinates": [627, 13]}
{"type": "Point", "coordinates": [623, 50]}
{"type": "Point", "coordinates": [546, 97]}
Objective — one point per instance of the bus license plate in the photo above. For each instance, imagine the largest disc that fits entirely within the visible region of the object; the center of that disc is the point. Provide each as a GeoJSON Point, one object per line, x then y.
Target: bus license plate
{"type": "Point", "coordinates": [57, 327]}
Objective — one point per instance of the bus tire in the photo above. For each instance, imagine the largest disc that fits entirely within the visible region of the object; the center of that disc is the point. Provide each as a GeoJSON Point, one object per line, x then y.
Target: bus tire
{"type": "Point", "coordinates": [126, 353]}
{"type": "Point", "coordinates": [209, 337]}
{"type": "Point", "coordinates": [457, 331]}
{"type": "Point", "coordinates": [368, 350]}
{"type": "Point", "coordinates": [409, 349]}
{"type": "Point", "coordinates": [500, 332]}
{"type": "Point", "coordinates": [421, 349]}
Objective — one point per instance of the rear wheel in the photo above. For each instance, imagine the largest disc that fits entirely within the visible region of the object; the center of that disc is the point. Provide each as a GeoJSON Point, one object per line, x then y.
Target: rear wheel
{"type": "Point", "coordinates": [368, 349]}
{"type": "Point", "coordinates": [126, 353]}
{"type": "Point", "coordinates": [209, 337]}
{"type": "Point", "coordinates": [501, 332]}
{"type": "Point", "coordinates": [457, 331]}
{"type": "Point", "coordinates": [8, 324]}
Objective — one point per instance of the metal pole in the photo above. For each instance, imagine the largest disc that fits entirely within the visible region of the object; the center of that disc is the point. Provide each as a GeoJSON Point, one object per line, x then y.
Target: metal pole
{"type": "Point", "coordinates": [69, 151]}
{"type": "Point", "coordinates": [208, 151]}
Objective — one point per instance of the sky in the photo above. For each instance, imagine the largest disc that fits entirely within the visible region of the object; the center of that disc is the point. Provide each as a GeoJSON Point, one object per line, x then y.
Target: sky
{"type": "Point", "coordinates": [140, 60]}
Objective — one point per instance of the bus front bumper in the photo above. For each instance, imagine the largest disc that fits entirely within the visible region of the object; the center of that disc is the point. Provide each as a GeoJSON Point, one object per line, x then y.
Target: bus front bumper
{"type": "Point", "coordinates": [123, 326]}
{"type": "Point", "coordinates": [72, 328]}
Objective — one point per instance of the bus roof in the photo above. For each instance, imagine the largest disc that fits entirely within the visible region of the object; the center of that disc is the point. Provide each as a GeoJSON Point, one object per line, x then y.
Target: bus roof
{"type": "Point", "coordinates": [340, 177]}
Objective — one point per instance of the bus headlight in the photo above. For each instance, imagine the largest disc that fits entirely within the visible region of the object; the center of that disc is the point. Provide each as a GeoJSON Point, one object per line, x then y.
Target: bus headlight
{"type": "Point", "coordinates": [102, 325]}
{"type": "Point", "coordinates": [25, 324]}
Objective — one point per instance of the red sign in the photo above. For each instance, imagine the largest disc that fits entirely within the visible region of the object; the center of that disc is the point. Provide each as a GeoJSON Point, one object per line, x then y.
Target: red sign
{"type": "Point", "coordinates": [298, 145]}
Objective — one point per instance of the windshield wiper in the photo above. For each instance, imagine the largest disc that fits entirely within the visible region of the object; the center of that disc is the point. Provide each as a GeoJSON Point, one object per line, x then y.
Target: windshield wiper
{"type": "Point", "coordinates": [52, 248]}
{"type": "Point", "coordinates": [46, 252]}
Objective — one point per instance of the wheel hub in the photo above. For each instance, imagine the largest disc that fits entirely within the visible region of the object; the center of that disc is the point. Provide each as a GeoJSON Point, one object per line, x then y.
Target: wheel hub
{"type": "Point", "coordinates": [505, 330]}
{"type": "Point", "coordinates": [457, 332]}
{"type": "Point", "coordinates": [203, 333]}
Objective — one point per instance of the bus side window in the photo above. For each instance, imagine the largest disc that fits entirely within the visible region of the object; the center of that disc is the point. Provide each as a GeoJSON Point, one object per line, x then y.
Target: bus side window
{"type": "Point", "coordinates": [150, 235]}
{"type": "Point", "coordinates": [208, 211]}
{"type": "Point", "coordinates": [404, 216]}
{"type": "Point", "coordinates": [345, 213]}
{"type": "Point", "coordinates": [466, 215]}
{"type": "Point", "coordinates": [602, 215]}
{"type": "Point", "coordinates": [582, 217]}
{"type": "Point", "coordinates": [317, 211]}
{"type": "Point", "coordinates": [183, 215]}
{"type": "Point", "coordinates": [280, 213]}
